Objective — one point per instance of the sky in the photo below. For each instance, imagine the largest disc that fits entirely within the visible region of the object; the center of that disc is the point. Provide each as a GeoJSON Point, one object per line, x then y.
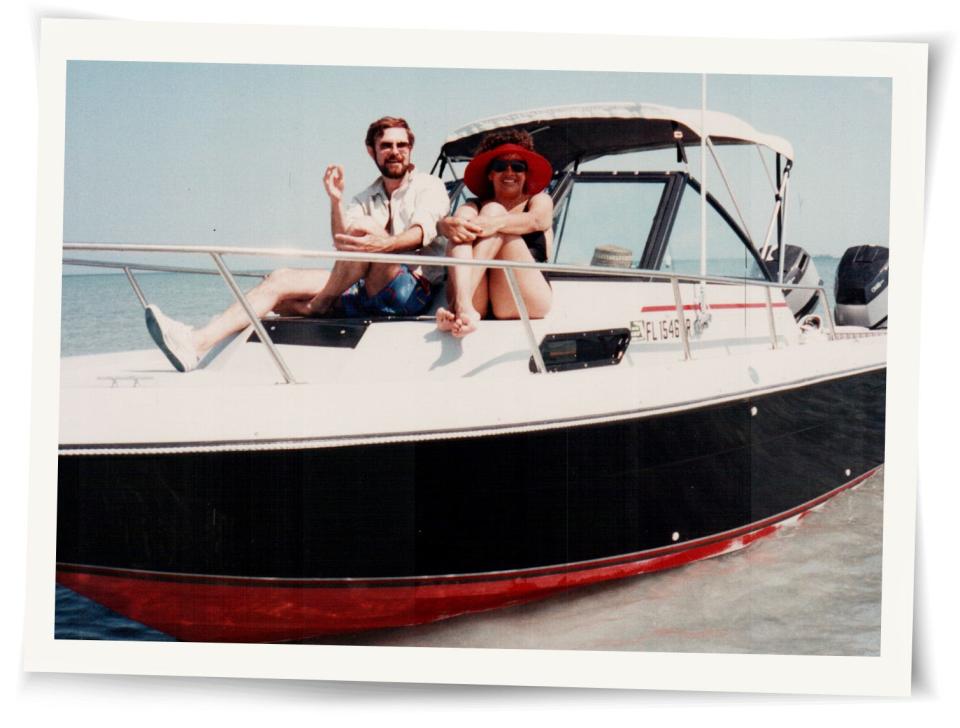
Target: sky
{"type": "Point", "coordinates": [231, 154]}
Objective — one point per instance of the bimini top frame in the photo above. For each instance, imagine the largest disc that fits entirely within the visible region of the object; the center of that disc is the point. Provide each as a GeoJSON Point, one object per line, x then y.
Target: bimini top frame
{"type": "Point", "coordinates": [578, 133]}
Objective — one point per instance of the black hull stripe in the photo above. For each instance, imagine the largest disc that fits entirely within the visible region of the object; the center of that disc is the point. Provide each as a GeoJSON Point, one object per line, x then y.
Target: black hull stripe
{"type": "Point", "coordinates": [435, 580]}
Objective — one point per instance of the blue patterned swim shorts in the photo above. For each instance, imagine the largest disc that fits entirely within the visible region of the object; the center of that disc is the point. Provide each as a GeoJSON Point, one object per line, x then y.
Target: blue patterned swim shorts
{"type": "Point", "coordinates": [406, 295]}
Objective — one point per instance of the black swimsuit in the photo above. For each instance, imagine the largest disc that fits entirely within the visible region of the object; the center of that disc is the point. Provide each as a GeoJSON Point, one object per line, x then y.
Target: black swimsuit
{"type": "Point", "coordinates": [536, 241]}
{"type": "Point", "coordinates": [537, 245]}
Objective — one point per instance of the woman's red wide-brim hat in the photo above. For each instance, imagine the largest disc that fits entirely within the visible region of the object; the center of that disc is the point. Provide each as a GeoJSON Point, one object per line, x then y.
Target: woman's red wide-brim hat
{"type": "Point", "coordinates": [539, 170]}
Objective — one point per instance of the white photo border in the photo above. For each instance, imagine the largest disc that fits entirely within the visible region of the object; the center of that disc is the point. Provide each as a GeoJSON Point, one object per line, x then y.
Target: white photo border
{"type": "Point", "coordinates": [887, 674]}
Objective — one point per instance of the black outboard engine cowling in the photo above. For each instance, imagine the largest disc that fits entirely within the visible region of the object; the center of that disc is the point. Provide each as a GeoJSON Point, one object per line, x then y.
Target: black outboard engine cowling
{"type": "Point", "coordinates": [861, 288]}
{"type": "Point", "coordinates": [798, 269]}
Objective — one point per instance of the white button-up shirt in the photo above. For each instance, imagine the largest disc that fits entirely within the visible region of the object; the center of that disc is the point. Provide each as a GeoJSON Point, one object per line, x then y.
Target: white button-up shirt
{"type": "Point", "coordinates": [420, 200]}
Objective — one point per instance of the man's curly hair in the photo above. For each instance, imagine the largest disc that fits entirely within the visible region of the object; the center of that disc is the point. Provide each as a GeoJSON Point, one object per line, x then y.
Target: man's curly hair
{"type": "Point", "coordinates": [506, 136]}
{"type": "Point", "coordinates": [377, 128]}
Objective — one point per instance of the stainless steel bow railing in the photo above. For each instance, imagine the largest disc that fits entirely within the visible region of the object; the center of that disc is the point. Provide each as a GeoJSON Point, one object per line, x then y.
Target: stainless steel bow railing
{"type": "Point", "coordinates": [216, 253]}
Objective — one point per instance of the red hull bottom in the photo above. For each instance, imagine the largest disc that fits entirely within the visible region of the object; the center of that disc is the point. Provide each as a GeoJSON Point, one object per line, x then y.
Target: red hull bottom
{"type": "Point", "coordinates": [205, 609]}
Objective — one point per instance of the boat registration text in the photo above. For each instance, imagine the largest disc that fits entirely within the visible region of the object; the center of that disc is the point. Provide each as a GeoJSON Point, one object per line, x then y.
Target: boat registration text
{"type": "Point", "coordinates": [658, 330]}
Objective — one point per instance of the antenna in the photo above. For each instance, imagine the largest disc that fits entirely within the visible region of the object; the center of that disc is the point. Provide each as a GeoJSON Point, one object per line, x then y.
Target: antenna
{"type": "Point", "coordinates": [703, 174]}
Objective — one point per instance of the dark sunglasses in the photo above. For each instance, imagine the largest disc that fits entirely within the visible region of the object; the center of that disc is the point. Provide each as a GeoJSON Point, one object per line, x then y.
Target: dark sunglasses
{"type": "Point", "coordinates": [516, 165]}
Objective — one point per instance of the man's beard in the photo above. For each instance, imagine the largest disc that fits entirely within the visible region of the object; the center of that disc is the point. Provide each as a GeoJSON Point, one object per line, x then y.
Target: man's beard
{"type": "Point", "coordinates": [390, 174]}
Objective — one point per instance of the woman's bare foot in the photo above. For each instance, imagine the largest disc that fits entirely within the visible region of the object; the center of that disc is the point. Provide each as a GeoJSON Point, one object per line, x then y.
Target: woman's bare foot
{"type": "Point", "coordinates": [446, 320]}
{"type": "Point", "coordinates": [466, 322]}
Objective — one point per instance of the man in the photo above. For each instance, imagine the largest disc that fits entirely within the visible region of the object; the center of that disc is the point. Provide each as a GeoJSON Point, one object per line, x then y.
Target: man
{"type": "Point", "coordinates": [397, 213]}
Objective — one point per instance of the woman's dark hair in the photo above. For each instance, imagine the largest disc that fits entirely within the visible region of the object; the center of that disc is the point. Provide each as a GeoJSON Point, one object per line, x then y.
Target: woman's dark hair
{"type": "Point", "coordinates": [506, 136]}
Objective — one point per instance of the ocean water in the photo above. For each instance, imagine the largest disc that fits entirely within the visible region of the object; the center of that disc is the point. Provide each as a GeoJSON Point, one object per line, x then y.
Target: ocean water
{"type": "Point", "coordinates": [812, 588]}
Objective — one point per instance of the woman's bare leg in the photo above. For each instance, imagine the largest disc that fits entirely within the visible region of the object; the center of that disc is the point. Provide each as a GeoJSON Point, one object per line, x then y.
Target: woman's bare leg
{"type": "Point", "coordinates": [471, 296]}
{"type": "Point", "coordinates": [460, 281]}
{"type": "Point", "coordinates": [536, 292]}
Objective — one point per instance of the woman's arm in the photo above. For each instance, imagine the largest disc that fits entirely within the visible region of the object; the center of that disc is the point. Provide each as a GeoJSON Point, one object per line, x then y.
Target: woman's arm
{"type": "Point", "coordinates": [460, 227]}
{"type": "Point", "coordinates": [538, 217]}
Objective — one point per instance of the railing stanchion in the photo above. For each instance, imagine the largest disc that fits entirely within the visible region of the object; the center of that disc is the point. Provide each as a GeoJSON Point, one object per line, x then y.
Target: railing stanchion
{"type": "Point", "coordinates": [254, 319]}
{"type": "Point", "coordinates": [681, 320]}
{"type": "Point", "coordinates": [525, 318]}
{"type": "Point", "coordinates": [826, 309]}
{"type": "Point", "coordinates": [135, 286]}
{"type": "Point", "coordinates": [770, 320]}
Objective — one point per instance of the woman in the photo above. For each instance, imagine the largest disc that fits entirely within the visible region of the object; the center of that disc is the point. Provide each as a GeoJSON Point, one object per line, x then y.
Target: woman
{"type": "Point", "coordinates": [510, 219]}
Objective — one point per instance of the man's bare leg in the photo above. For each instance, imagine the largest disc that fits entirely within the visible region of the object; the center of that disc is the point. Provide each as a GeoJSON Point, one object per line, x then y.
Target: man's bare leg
{"type": "Point", "coordinates": [344, 274]}
{"type": "Point", "coordinates": [291, 289]}
{"type": "Point", "coordinates": [379, 276]}
{"type": "Point", "coordinates": [292, 285]}
{"type": "Point", "coordinates": [283, 284]}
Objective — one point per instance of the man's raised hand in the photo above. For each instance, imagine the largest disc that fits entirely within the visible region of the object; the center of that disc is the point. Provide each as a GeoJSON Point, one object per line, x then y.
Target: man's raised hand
{"type": "Point", "coordinates": [333, 182]}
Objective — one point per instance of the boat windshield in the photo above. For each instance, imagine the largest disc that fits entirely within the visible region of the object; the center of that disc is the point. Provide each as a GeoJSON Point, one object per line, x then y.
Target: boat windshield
{"type": "Point", "coordinates": [656, 216]}
{"type": "Point", "coordinates": [607, 209]}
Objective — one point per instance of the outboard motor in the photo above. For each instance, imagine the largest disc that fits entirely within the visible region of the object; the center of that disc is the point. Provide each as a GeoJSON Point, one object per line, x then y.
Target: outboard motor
{"type": "Point", "coordinates": [861, 289]}
{"type": "Point", "coordinates": [798, 269]}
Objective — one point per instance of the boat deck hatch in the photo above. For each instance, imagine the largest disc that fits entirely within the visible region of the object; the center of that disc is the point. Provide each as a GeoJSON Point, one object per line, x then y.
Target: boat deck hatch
{"type": "Point", "coordinates": [582, 349]}
{"type": "Point", "coordinates": [313, 332]}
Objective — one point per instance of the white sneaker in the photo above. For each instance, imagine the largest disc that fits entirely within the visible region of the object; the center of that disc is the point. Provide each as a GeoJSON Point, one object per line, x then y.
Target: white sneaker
{"type": "Point", "coordinates": [173, 338]}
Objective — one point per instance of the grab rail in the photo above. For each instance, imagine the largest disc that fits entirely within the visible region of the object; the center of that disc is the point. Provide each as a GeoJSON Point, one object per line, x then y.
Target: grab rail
{"type": "Point", "coordinates": [508, 266]}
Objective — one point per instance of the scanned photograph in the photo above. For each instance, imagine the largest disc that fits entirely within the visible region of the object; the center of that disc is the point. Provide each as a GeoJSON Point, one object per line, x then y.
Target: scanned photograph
{"type": "Point", "coordinates": [441, 357]}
